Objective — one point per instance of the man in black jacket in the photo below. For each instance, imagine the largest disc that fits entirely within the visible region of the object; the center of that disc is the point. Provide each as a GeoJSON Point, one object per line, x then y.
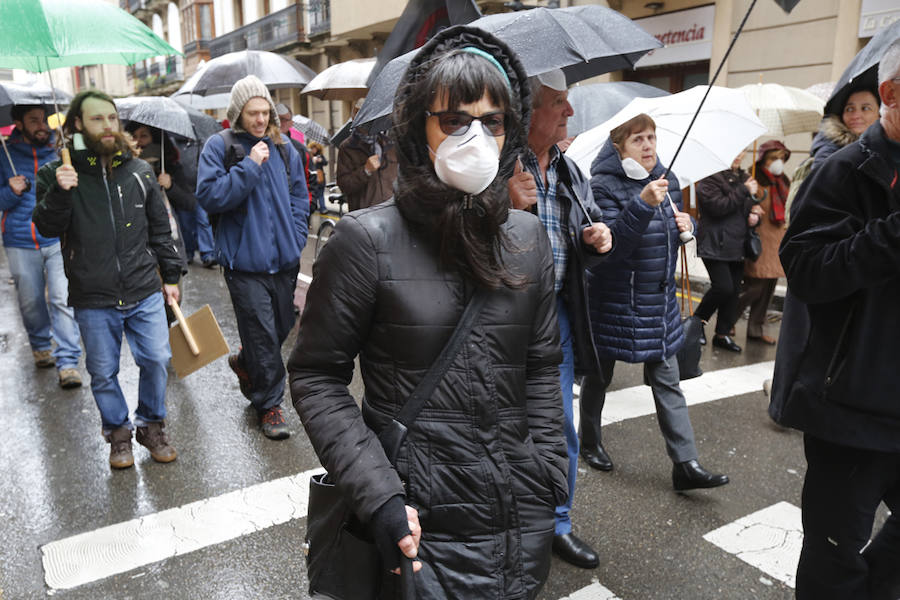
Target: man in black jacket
{"type": "Point", "coordinates": [116, 243]}
{"type": "Point", "coordinates": [548, 183]}
{"type": "Point", "coordinates": [835, 380]}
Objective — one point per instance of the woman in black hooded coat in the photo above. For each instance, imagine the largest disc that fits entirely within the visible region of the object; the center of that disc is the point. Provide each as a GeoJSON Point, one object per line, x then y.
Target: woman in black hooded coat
{"type": "Point", "coordinates": [484, 464]}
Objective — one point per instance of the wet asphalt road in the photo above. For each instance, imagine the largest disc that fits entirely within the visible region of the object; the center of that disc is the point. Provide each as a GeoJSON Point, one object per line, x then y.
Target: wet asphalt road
{"type": "Point", "coordinates": [55, 482]}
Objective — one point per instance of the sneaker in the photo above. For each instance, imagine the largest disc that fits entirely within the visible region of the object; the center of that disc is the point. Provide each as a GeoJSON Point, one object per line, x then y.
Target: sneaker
{"type": "Point", "coordinates": [43, 359]}
{"type": "Point", "coordinates": [152, 436]}
{"type": "Point", "coordinates": [120, 456]}
{"type": "Point", "coordinates": [273, 424]}
{"type": "Point", "coordinates": [69, 378]}
{"type": "Point", "coordinates": [234, 361]}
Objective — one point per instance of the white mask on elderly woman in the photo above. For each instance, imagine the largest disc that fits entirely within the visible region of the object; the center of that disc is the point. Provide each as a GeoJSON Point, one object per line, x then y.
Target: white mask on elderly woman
{"type": "Point", "coordinates": [633, 169]}
{"type": "Point", "coordinates": [467, 162]}
{"type": "Point", "coordinates": [777, 167]}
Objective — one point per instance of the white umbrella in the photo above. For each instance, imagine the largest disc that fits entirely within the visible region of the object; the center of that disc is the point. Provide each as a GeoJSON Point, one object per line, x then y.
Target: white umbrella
{"type": "Point", "coordinates": [784, 109]}
{"type": "Point", "coordinates": [724, 127]}
{"type": "Point", "coordinates": [342, 81]}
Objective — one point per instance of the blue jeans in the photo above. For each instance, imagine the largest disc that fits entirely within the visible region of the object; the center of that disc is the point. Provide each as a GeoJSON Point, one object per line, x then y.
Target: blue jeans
{"type": "Point", "coordinates": [35, 271]}
{"type": "Point", "coordinates": [145, 328]}
{"type": "Point", "coordinates": [566, 381]}
{"type": "Point", "coordinates": [196, 232]}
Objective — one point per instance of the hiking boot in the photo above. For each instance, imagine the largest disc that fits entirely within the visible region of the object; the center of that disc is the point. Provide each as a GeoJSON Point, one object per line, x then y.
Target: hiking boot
{"type": "Point", "coordinates": [152, 436]}
{"type": "Point", "coordinates": [273, 425]}
{"type": "Point", "coordinates": [43, 359]}
{"type": "Point", "coordinates": [120, 456]}
{"type": "Point", "coordinates": [234, 362]}
{"type": "Point", "coordinates": [69, 378]}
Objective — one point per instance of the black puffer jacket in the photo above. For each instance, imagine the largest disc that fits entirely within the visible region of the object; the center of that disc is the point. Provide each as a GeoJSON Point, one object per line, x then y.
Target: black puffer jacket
{"type": "Point", "coordinates": [114, 229]}
{"type": "Point", "coordinates": [724, 204]}
{"type": "Point", "coordinates": [835, 371]}
{"type": "Point", "coordinates": [485, 461]}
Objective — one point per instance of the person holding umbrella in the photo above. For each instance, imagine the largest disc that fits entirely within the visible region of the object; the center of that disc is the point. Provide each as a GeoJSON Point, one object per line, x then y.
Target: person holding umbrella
{"type": "Point", "coordinates": [550, 185]}
{"type": "Point", "coordinates": [35, 261]}
{"type": "Point", "coordinates": [119, 254]}
{"type": "Point", "coordinates": [484, 463]}
{"type": "Point", "coordinates": [634, 312]}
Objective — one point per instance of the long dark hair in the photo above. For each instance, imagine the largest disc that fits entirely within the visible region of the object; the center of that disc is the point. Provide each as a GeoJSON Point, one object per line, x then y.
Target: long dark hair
{"type": "Point", "coordinates": [470, 240]}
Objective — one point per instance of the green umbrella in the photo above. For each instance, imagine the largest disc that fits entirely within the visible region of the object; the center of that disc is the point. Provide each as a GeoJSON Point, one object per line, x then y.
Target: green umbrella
{"type": "Point", "coordinates": [39, 35]}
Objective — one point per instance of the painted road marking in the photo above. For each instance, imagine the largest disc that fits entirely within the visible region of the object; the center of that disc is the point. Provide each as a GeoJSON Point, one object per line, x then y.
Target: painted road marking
{"type": "Point", "coordinates": [118, 548]}
{"type": "Point", "coordinates": [769, 539]}
{"type": "Point", "coordinates": [595, 591]}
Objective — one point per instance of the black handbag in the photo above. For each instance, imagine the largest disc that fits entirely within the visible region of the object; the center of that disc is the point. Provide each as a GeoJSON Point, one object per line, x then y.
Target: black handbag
{"type": "Point", "coordinates": [341, 558]}
{"type": "Point", "coordinates": [689, 355]}
{"type": "Point", "coordinates": [752, 244]}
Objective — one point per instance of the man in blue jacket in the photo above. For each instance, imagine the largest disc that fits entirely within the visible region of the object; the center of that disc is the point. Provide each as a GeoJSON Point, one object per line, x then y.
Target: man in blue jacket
{"type": "Point", "coordinates": [254, 180]}
{"type": "Point", "coordinates": [36, 261]}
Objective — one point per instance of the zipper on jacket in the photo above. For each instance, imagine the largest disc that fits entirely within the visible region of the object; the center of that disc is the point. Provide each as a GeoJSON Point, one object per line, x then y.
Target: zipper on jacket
{"type": "Point", "coordinates": [112, 217]}
{"type": "Point", "coordinates": [834, 367]}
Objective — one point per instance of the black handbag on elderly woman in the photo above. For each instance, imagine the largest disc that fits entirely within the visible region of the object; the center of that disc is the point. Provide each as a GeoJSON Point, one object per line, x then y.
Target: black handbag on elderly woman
{"type": "Point", "coordinates": [341, 558]}
{"type": "Point", "coordinates": [752, 244]}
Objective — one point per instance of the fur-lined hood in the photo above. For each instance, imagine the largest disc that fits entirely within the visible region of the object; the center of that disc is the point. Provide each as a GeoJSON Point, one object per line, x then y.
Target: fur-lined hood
{"type": "Point", "coordinates": [833, 133]}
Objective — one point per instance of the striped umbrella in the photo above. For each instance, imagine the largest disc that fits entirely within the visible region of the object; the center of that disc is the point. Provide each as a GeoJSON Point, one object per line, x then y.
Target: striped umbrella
{"type": "Point", "coordinates": [783, 109]}
{"type": "Point", "coordinates": [311, 129]}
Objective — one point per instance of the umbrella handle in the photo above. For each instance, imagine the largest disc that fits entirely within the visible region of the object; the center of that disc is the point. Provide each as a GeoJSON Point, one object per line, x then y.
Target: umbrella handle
{"type": "Point", "coordinates": [66, 157]}
{"type": "Point", "coordinates": [188, 336]}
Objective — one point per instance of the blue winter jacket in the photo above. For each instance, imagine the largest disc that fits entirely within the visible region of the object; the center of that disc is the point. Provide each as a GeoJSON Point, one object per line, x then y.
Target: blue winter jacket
{"type": "Point", "coordinates": [634, 313]}
{"type": "Point", "coordinates": [262, 227]}
{"type": "Point", "coordinates": [15, 220]}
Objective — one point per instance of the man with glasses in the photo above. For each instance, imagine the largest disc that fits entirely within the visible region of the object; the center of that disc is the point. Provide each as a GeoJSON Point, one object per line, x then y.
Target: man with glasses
{"type": "Point", "coordinates": [835, 371]}
{"type": "Point", "coordinates": [551, 185]}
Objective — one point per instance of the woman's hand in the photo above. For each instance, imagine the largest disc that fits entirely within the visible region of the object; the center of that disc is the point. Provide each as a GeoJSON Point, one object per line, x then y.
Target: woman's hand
{"type": "Point", "coordinates": [409, 545]}
{"type": "Point", "coordinates": [752, 186]}
{"type": "Point", "coordinates": [165, 180]}
{"type": "Point", "coordinates": [599, 236]}
{"type": "Point", "coordinates": [683, 221]}
{"type": "Point", "coordinates": [753, 219]}
{"type": "Point", "coordinates": [655, 192]}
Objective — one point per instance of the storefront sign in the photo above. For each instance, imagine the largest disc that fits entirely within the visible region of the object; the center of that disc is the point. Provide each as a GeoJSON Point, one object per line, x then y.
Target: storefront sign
{"type": "Point", "coordinates": [687, 35]}
{"type": "Point", "coordinates": [875, 15]}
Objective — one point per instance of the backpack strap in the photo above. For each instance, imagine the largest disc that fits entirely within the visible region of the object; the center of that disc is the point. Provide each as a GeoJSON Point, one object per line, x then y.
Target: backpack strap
{"type": "Point", "coordinates": [234, 151]}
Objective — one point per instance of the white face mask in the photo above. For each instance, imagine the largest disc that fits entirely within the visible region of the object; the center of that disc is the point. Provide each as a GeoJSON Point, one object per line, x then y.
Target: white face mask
{"type": "Point", "coordinates": [634, 169]}
{"type": "Point", "coordinates": [777, 167]}
{"type": "Point", "coordinates": [467, 162]}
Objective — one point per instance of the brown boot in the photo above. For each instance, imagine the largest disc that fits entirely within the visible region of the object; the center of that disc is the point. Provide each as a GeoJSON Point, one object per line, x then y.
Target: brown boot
{"type": "Point", "coordinates": [120, 456]}
{"type": "Point", "coordinates": [43, 359]}
{"type": "Point", "coordinates": [152, 436]}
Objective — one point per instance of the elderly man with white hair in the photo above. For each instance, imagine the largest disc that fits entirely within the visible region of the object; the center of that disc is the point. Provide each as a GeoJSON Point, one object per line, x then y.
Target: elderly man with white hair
{"type": "Point", "coordinates": [835, 380]}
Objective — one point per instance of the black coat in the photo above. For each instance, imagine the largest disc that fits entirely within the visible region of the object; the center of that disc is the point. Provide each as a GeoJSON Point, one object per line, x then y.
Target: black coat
{"type": "Point", "coordinates": [724, 202]}
{"type": "Point", "coordinates": [485, 461]}
{"type": "Point", "coordinates": [114, 230]}
{"type": "Point", "coordinates": [836, 378]}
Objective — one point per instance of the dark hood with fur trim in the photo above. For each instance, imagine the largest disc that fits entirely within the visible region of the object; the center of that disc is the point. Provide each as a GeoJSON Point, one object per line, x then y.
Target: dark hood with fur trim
{"type": "Point", "coordinates": [832, 136]}
{"type": "Point", "coordinates": [420, 195]}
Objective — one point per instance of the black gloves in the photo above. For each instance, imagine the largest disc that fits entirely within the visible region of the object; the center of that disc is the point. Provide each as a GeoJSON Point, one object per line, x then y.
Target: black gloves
{"type": "Point", "coordinates": [389, 525]}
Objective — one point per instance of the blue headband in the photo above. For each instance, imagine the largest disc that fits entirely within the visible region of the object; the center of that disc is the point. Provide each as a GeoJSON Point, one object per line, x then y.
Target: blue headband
{"type": "Point", "coordinates": [483, 54]}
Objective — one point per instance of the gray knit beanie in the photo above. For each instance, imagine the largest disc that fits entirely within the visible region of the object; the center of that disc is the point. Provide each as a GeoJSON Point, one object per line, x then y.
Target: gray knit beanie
{"type": "Point", "coordinates": [241, 92]}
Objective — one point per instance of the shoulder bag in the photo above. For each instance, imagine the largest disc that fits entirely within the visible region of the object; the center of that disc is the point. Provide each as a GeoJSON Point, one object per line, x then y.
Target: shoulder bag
{"type": "Point", "coordinates": [341, 558]}
{"type": "Point", "coordinates": [689, 354]}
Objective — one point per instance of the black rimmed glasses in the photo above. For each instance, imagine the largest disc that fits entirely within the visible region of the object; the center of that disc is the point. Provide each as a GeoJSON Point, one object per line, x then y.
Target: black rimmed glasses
{"type": "Point", "coordinates": [454, 122]}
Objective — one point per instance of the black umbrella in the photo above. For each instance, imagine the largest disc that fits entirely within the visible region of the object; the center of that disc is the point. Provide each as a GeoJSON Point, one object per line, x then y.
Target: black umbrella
{"type": "Point", "coordinates": [863, 69]}
{"type": "Point", "coordinates": [342, 134]}
{"type": "Point", "coordinates": [596, 103]}
{"type": "Point", "coordinates": [166, 114]}
{"type": "Point", "coordinates": [36, 93]}
{"type": "Point", "coordinates": [583, 41]}
{"type": "Point", "coordinates": [275, 70]}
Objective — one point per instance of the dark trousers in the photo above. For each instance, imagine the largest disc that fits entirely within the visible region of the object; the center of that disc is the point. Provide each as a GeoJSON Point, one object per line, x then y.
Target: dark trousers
{"type": "Point", "coordinates": [264, 309]}
{"type": "Point", "coordinates": [724, 290]}
{"type": "Point", "coordinates": [671, 406]}
{"type": "Point", "coordinates": [757, 294]}
{"type": "Point", "coordinates": [842, 490]}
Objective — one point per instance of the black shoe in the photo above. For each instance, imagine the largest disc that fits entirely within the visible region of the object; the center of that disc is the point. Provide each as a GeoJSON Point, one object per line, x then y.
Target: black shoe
{"type": "Point", "coordinates": [597, 458]}
{"type": "Point", "coordinates": [209, 263]}
{"type": "Point", "coordinates": [273, 425]}
{"type": "Point", "coordinates": [690, 476]}
{"type": "Point", "coordinates": [574, 551]}
{"type": "Point", "coordinates": [725, 342]}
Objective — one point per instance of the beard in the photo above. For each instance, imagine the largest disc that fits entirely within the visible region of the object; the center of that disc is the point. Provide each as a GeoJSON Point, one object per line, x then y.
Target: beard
{"type": "Point", "coordinates": [40, 137]}
{"type": "Point", "coordinates": [96, 144]}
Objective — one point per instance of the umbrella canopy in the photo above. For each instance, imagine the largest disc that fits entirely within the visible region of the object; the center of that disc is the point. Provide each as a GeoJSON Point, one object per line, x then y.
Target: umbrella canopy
{"type": "Point", "coordinates": [275, 70]}
{"type": "Point", "coordinates": [166, 114]}
{"type": "Point", "coordinates": [210, 102]}
{"type": "Point", "coordinates": [822, 90]}
{"type": "Point", "coordinates": [724, 127]}
{"type": "Point", "coordinates": [34, 93]}
{"type": "Point", "coordinates": [343, 81]}
{"type": "Point", "coordinates": [583, 41]}
{"type": "Point", "coordinates": [39, 35]}
{"type": "Point", "coordinates": [784, 109]}
{"type": "Point", "coordinates": [598, 102]}
{"type": "Point", "coordinates": [342, 134]}
{"type": "Point", "coordinates": [311, 129]}
{"type": "Point", "coordinates": [863, 69]}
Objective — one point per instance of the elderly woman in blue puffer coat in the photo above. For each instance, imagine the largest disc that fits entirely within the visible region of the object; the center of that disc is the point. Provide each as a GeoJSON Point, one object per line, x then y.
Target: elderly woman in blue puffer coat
{"type": "Point", "coordinates": [633, 310]}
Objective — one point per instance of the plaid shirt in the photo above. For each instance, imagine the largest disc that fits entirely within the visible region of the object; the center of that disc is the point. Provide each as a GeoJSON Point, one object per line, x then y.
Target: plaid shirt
{"type": "Point", "coordinates": [550, 211]}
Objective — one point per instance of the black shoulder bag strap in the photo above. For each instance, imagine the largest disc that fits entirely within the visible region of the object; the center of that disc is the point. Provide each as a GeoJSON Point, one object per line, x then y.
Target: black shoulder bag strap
{"type": "Point", "coordinates": [393, 434]}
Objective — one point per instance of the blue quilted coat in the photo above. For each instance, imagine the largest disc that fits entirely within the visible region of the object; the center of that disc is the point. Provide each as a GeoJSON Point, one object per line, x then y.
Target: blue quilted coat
{"type": "Point", "coordinates": [633, 310]}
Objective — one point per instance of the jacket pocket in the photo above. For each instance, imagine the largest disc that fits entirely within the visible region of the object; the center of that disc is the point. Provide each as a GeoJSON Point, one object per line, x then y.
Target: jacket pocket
{"type": "Point", "coordinates": [839, 356]}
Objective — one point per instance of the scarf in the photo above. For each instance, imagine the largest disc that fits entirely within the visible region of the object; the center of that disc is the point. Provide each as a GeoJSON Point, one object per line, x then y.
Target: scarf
{"type": "Point", "coordinates": [778, 192]}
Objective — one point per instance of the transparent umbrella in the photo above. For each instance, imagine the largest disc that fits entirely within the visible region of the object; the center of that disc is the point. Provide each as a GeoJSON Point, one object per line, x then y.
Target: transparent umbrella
{"type": "Point", "coordinates": [311, 129]}
{"type": "Point", "coordinates": [784, 109]}
{"type": "Point", "coordinates": [275, 70]}
{"type": "Point", "coordinates": [342, 81]}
